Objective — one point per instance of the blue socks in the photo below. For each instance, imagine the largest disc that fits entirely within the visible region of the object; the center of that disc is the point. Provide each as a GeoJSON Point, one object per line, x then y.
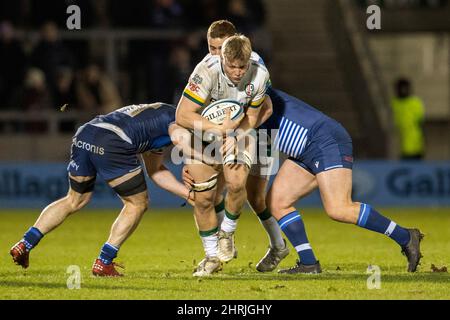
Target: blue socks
{"type": "Point", "coordinates": [294, 229]}
{"type": "Point", "coordinates": [372, 220]}
{"type": "Point", "coordinates": [108, 253]}
{"type": "Point", "coordinates": [32, 237]}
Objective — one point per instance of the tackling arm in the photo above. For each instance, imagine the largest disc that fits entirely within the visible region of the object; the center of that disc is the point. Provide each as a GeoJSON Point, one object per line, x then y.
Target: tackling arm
{"type": "Point", "coordinates": [161, 176]}
{"type": "Point", "coordinates": [256, 117]}
{"type": "Point", "coordinates": [182, 139]}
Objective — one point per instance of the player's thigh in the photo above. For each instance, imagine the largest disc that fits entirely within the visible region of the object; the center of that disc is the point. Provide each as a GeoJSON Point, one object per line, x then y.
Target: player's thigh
{"type": "Point", "coordinates": [235, 177]}
{"type": "Point", "coordinates": [335, 189]}
{"type": "Point", "coordinates": [81, 171]}
{"type": "Point", "coordinates": [291, 184]}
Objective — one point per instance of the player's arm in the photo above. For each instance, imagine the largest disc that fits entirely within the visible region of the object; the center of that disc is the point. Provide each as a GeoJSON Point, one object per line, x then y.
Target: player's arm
{"type": "Point", "coordinates": [245, 128]}
{"type": "Point", "coordinates": [161, 176]}
{"type": "Point", "coordinates": [194, 96]}
{"type": "Point", "coordinates": [264, 113]}
{"type": "Point", "coordinates": [187, 116]}
{"type": "Point", "coordinates": [252, 119]}
{"type": "Point", "coordinates": [182, 139]}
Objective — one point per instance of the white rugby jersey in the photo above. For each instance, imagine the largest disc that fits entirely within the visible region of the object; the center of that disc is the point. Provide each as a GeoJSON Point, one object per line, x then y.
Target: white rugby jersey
{"type": "Point", "coordinates": [208, 83]}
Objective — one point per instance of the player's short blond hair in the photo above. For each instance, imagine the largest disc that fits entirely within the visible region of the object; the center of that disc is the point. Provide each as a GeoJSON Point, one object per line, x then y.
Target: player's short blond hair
{"type": "Point", "coordinates": [237, 47]}
{"type": "Point", "coordinates": [221, 29]}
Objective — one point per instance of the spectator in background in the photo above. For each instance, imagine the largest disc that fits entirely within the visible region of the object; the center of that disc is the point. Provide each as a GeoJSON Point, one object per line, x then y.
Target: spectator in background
{"type": "Point", "coordinates": [408, 113]}
{"type": "Point", "coordinates": [12, 64]}
{"type": "Point", "coordinates": [96, 93]}
{"type": "Point", "coordinates": [51, 54]}
{"type": "Point", "coordinates": [65, 91]}
{"type": "Point", "coordinates": [33, 97]}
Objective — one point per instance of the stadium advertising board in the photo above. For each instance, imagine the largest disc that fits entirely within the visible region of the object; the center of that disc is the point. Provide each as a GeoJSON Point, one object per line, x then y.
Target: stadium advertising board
{"type": "Point", "coordinates": [383, 183]}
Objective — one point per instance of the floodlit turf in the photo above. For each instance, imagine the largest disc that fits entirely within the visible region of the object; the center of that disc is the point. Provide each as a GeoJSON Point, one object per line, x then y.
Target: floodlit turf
{"type": "Point", "coordinates": [161, 255]}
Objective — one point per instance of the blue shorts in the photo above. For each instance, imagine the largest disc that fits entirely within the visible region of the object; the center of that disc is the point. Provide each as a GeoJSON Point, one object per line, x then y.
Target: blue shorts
{"type": "Point", "coordinates": [100, 151]}
{"type": "Point", "coordinates": [330, 147]}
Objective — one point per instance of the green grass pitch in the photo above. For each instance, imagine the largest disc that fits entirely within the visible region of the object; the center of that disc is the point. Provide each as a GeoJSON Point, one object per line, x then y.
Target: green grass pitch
{"type": "Point", "coordinates": [161, 254]}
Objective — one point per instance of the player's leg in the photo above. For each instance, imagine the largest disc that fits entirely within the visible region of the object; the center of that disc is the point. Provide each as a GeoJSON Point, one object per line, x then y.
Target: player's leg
{"type": "Point", "coordinates": [219, 202]}
{"type": "Point", "coordinates": [335, 189]}
{"type": "Point", "coordinates": [132, 190]}
{"type": "Point", "coordinates": [79, 194]}
{"type": "Point", "coordinates": [293, 182]}
{"type": "Point", "coordinates": [278, 250]}
{"type": "Point", "coordinates": [235, 179]}
{"type": "Point", "coordinates": [205, 180]}
{"type": "Point", "coordinates": [81, 180]}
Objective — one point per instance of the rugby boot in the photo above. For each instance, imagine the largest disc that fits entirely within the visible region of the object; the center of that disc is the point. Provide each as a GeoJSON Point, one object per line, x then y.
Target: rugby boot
{"type": "Point", "coordinates": [20, 254]}
{"type": "Point", "coordinates": [207, 267]}
{"type": "Point", "coordinates": [226, 248]}
{"type": "Point", "coordinates": [303, 268]}
{"type": "Point", "coordinates": [101, 269]}
{"type": "Point", "coordinates": [272, 258]}
{"type": "Point", "coordinates": [412, 249]}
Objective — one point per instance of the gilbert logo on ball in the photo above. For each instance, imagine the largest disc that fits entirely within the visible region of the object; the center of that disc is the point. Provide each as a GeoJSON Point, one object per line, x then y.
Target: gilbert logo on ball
{"type": "Point", "coordinates": [216, 111]}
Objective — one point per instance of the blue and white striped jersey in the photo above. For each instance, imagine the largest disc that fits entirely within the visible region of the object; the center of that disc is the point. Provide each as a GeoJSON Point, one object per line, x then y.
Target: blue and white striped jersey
{"type": "Point", "coordinates": [296, 121]}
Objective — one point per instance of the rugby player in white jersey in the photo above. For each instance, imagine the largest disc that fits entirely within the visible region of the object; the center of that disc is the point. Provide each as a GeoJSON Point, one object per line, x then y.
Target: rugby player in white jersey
{"type": "Point", "coordinates": [234, 76]}
{"type": "Point", "coordinates": [258, 177]}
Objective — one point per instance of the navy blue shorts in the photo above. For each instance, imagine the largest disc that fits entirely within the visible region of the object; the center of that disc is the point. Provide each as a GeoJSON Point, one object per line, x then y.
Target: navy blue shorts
{"type": "Point", "coordinates": [330, 148]}
{"type": "Point", "coordinates": [100, 151]}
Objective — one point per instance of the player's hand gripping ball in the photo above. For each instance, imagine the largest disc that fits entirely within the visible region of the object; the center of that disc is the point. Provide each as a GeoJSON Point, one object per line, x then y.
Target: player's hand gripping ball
{"type": "Point", "coordinates": [216, 113]}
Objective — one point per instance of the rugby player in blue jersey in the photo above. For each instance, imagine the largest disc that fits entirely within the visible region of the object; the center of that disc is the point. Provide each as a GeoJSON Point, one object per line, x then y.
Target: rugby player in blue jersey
{"type": "Point", "coordinates": [321, 156]}
{"type": "Point", "coordinates": [110, 146]}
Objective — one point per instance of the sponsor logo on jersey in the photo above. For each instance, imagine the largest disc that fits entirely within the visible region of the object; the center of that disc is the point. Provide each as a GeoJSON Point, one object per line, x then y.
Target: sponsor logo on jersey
{"type": "Point", "coordinates": [74, 165]}
{"type": "Point", "coordinates": [197, 79]}
{"type": "Point", "coordinates": [88, 147]}
{"type": "Point", "coordinates": [193, 87]}
{"type": "Point", "coordinates": [217, 93]}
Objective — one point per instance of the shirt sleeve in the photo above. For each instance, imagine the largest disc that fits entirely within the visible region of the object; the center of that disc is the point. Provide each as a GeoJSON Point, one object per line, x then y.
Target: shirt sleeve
{"type": "Point", "coordinates": [199, 86]}
{"type": "Point", "coordinates": [261, 89]}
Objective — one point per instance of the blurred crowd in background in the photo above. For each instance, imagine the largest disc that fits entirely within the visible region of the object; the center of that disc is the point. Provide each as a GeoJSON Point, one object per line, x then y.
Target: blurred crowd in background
{"type": "Point", "coordinates": [47, 72]}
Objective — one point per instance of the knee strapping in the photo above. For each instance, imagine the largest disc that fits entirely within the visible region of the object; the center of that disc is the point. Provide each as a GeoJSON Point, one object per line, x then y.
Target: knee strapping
{"type": "Point", "coordinates": [242, 158]}
{"type": "Point", "coordinates": [207, 185]}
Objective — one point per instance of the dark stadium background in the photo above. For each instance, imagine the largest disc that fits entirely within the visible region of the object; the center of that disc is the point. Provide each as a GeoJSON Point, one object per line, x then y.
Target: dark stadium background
{"type": "Point", "coordinates": [143, 51]}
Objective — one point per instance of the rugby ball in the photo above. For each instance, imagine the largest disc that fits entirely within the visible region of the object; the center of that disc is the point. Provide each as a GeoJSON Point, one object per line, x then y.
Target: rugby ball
{"type": "Point", "coordinates": [215, 112]}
